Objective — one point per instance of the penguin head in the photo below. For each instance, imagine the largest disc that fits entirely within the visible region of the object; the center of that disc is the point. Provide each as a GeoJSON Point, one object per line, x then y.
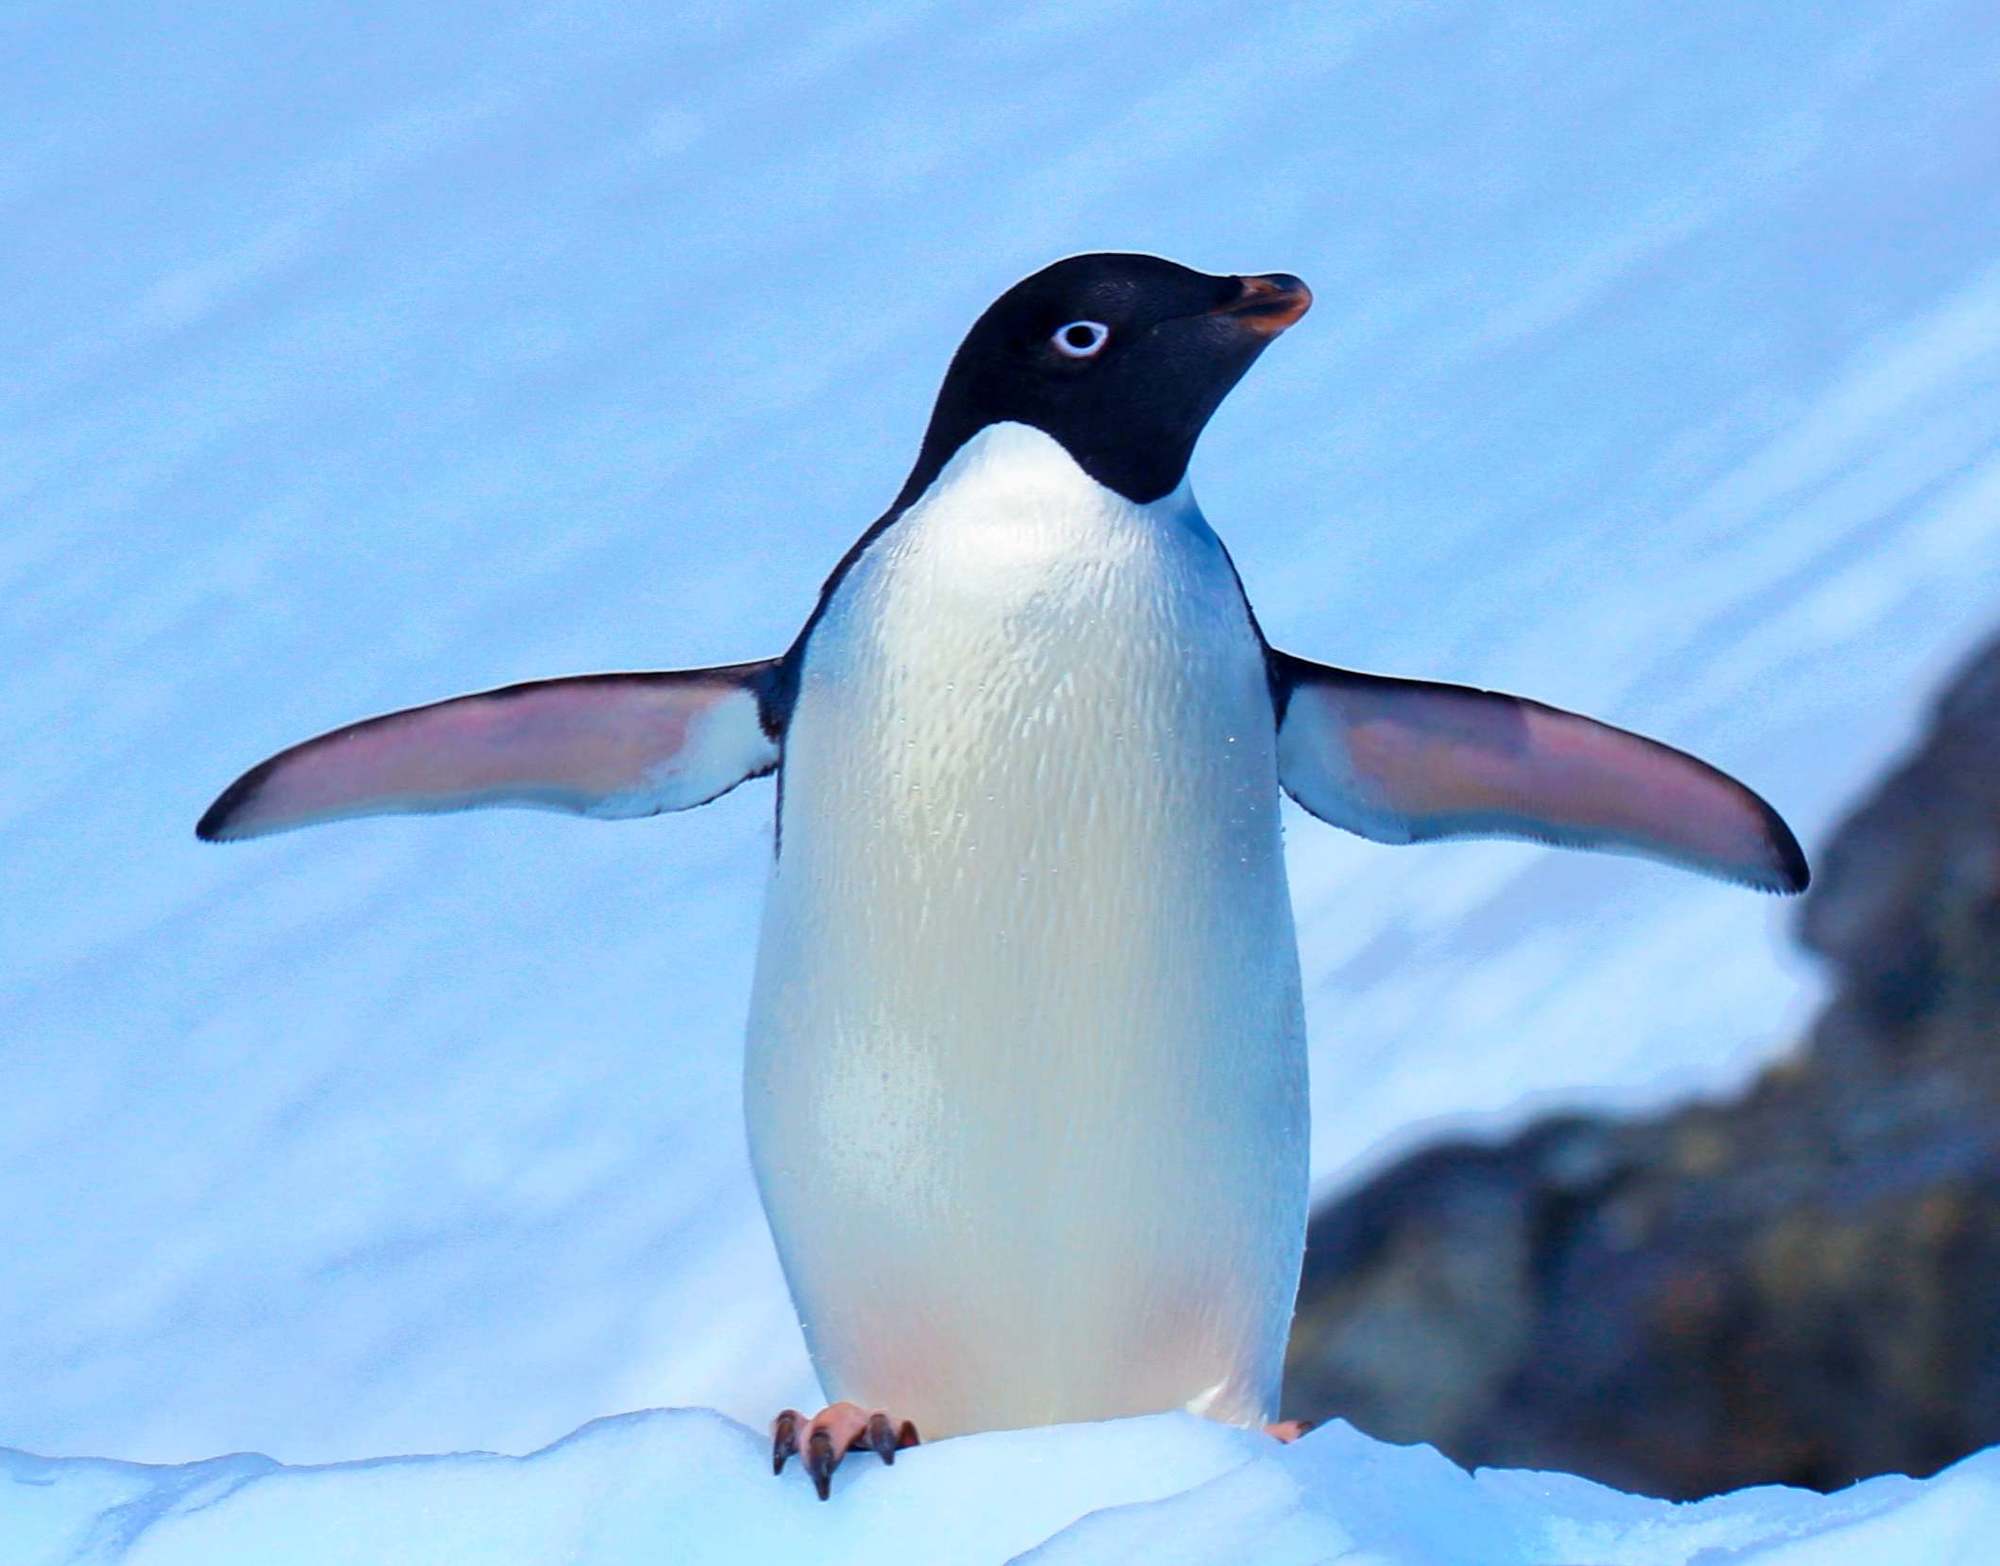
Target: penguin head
{"type": "Point", "coordinates": [1121, 358]}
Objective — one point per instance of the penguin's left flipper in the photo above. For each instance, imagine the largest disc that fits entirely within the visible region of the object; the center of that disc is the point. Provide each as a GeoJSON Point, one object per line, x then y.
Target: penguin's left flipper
{"type": "Point", "coordinates": [1409, 761]}
{"type": "Point", "coordinates": [606, 745]}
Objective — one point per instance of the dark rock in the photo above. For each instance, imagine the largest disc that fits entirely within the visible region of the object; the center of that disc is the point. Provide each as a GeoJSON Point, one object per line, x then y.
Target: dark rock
{"type": "Point", "coordinates": [1799, 1287]}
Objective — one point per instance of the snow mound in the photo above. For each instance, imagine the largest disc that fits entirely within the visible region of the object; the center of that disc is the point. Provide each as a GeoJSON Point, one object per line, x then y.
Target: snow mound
{"type": "Point", "coordinates": [687, 1485]}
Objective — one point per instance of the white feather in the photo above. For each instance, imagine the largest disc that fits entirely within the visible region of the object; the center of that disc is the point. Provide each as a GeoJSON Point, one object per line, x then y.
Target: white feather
{"type": "Point", "coordinates": [1026, 1072]}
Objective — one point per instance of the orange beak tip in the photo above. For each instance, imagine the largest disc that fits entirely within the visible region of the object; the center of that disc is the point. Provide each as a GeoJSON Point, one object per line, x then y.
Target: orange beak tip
{"type": "Point", "coordinates": [1269, 303]}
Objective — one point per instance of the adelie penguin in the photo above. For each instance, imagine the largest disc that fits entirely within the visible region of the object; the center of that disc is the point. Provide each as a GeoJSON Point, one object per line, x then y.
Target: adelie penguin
{"type": "Point", "coordinates": [1026, 1079]}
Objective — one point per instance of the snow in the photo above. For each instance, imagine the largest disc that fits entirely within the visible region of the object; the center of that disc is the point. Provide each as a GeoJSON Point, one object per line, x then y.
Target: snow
{"type": "Point", "coordinates": [687, 1485]}
{"type": "Point", "coordinates": [352, 357]}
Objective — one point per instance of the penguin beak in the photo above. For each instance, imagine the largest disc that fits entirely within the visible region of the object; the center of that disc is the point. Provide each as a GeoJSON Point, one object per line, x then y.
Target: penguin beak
{"type": "Point", "coordinates": [1268, 304]}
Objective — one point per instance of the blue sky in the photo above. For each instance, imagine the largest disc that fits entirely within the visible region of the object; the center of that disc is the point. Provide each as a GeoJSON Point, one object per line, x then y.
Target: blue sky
{"type": "Point", "coordinates": [352, 357]}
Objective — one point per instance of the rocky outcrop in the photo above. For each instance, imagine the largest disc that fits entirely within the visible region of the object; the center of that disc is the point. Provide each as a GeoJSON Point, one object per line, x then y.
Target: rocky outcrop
{"type": "Point", "coordinates": [1799, 1287]}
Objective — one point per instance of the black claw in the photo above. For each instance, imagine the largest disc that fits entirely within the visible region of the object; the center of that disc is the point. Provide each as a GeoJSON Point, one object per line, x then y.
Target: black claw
{"type": "Point", "coordinates": [907, 1436]}
{"type": "Point", "coordinates": [784, 1438]}
{"type": "Point", "coordinates": [881, 1437]}
{"type": "Point", "coordinates": [821, 1461]}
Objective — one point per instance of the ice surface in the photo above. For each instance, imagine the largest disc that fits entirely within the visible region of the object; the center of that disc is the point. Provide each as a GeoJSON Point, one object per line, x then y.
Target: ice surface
{"type": "Point", "coordinates": [689, 1486]}
{"type": "Point", "coordinates": [356, 356]}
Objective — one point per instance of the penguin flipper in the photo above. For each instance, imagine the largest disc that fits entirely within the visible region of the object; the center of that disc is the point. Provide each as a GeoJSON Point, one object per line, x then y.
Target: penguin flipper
{"type": "Point", "coordinates": [606, 745]}
{"type": "Point", "coordinates": [1409, 761]}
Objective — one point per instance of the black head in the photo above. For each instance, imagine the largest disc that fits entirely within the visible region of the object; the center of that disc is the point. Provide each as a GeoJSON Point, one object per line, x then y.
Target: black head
{"type": "Point", "coordinates": [1121, 358]}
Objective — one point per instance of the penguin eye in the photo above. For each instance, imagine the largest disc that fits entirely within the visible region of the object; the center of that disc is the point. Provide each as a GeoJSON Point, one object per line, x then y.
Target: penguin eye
{"type": "Point", "coordinates": [1081, 339]}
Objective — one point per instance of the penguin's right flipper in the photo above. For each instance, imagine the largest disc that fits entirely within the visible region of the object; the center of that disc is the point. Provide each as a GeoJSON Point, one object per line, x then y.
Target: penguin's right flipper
{"type": "Point", "coordinates": [606, 745]}
{"type": "Point", "coordinates": [1410, 761]}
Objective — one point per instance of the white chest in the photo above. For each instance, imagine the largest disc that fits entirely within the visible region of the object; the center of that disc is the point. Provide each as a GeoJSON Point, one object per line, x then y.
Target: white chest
{"type": "Point", "coordinates": [1028, 640]}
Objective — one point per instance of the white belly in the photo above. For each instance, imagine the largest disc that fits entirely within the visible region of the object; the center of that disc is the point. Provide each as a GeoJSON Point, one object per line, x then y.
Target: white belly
{"type": "Point", "coordinates": [1026, 1071]}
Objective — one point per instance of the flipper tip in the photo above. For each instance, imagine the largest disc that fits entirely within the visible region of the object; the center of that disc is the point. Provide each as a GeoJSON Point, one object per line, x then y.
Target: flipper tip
{"type": "Point", "coordinates": [1790, 875]}
{"type": "Point", "coordinates": [216, 821]}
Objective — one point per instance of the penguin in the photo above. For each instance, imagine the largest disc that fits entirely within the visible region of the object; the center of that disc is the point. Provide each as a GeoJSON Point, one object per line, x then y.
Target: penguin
{"type": "Point", "coordinates": [1025, 1078]}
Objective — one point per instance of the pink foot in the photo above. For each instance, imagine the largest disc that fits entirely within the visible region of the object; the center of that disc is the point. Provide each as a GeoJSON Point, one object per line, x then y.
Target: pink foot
{"type": "Point", "coordinates": [1289, 1430]}
{"type": "Point", "coordinates": [831, 1434]}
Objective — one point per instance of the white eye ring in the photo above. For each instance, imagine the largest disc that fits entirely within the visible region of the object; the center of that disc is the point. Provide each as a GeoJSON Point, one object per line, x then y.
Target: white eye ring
{"type": "Point", "coordinates": [1081, 339]}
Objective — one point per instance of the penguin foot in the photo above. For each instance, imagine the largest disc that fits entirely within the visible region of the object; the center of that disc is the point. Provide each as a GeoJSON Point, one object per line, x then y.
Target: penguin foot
{"type": "Point", "coordinates": [1289, 1430]}
{"type": "Point", "coordinates": [831, 1434]}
